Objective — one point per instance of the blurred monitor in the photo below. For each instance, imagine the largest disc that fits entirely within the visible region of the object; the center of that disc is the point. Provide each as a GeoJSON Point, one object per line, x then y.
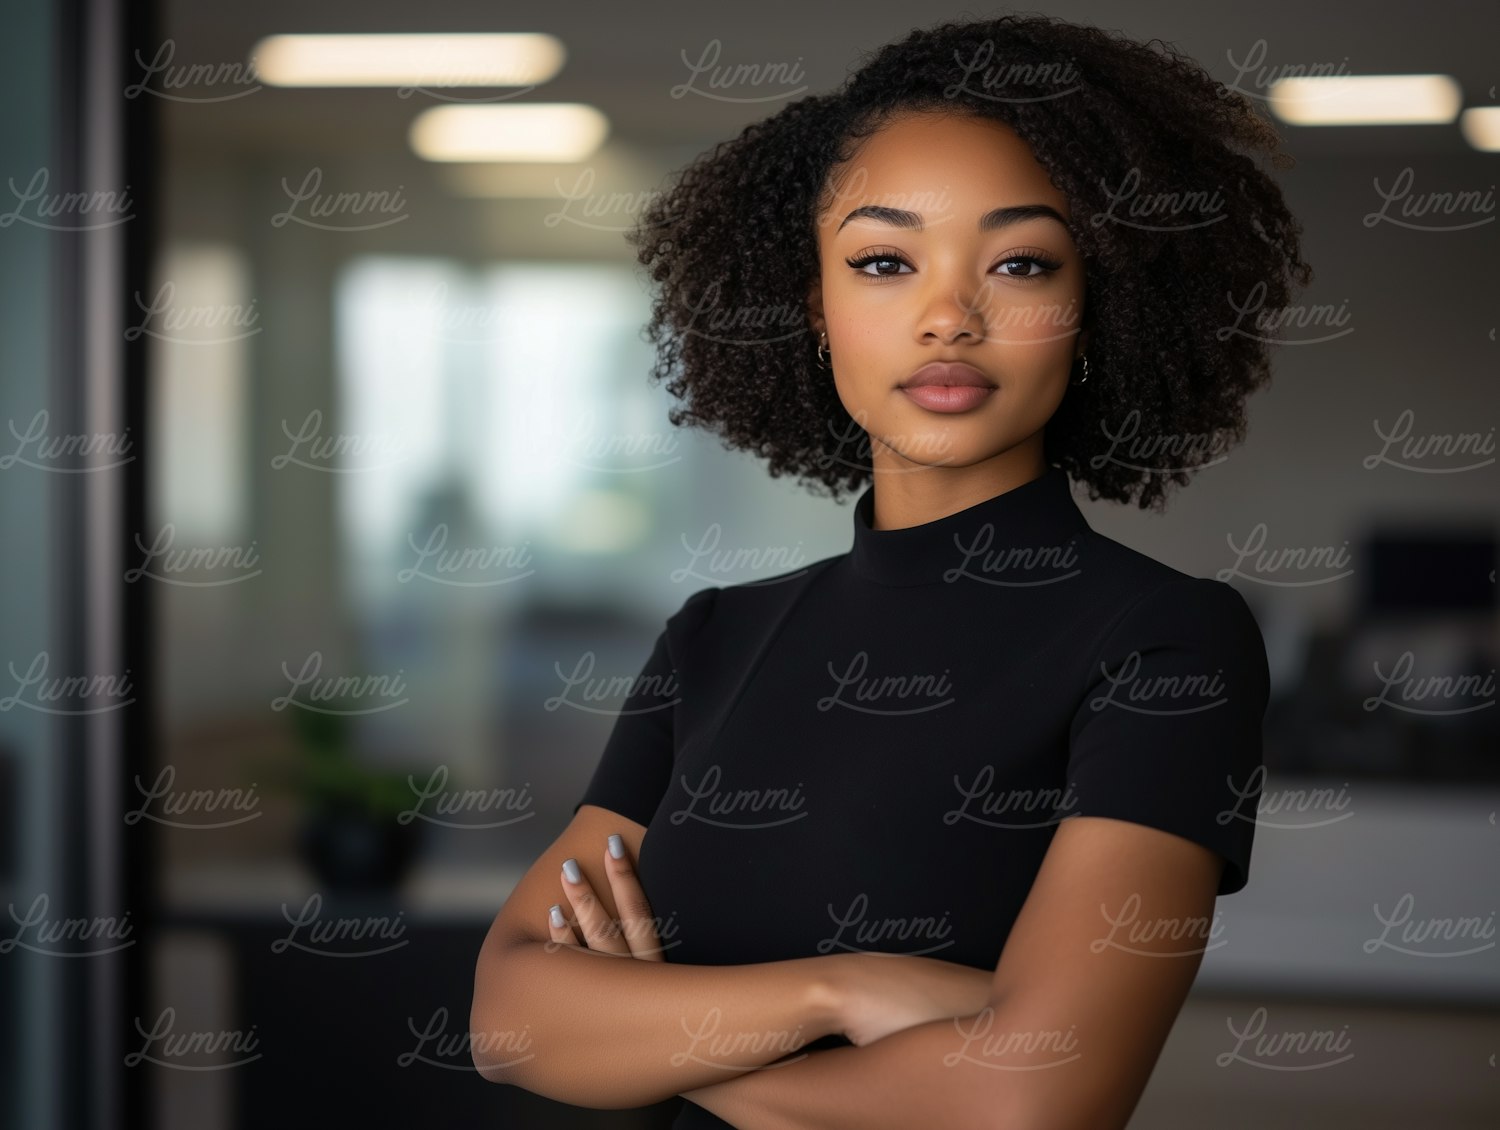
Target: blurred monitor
{"type": "Point", "coordinates": [1429, 571]}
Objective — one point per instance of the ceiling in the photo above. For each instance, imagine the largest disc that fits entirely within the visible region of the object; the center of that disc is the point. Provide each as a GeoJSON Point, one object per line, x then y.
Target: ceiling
{"type": "Point", "coordinates": [626, 59]}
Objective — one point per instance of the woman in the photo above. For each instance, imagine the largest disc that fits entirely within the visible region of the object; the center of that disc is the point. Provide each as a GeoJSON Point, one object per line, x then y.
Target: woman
{"type": "Point", "coordinates": [936, 825]}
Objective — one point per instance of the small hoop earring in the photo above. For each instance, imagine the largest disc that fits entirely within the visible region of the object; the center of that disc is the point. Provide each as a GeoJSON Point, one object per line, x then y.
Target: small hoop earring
{"type": "Point", "coordinates": [1085, 378]}
{"type": "Point", "coordinates": [823, 349]}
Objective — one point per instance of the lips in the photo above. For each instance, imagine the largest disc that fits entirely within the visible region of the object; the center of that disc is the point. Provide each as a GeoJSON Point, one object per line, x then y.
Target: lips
{"type": "Point", "coordinates": [952, 374]}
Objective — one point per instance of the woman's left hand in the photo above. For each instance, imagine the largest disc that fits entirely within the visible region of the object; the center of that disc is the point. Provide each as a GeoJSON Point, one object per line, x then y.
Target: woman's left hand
{"type": "Point", "coordinates": [633, 935]}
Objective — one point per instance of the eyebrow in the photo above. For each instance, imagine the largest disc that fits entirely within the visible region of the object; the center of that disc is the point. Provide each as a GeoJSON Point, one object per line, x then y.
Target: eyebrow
{"type": "Point", "coordinates": [990, 221]}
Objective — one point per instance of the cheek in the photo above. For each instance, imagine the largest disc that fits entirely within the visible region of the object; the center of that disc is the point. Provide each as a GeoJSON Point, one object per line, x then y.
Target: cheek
{"type": "Point", "coordinates": [1044, 323]}
{"type": "Point", "coordinates": [863, 341]}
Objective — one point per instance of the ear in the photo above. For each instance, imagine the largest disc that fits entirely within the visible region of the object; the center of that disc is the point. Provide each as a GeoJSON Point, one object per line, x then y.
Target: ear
{"type": "Point", "coordinates": [815, 307]}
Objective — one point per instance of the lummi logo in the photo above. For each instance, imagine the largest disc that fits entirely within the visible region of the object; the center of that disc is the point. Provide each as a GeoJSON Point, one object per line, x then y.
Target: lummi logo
{"type": "Point", "coordinates": [192, 1051]}
{"type": "Point", "coordinates": [1033, 807]}
{"type": "Point", "coordinates": [1400, 691]}
{"type": "Point", "coordinates": [1431, 936]}
{"type": "Point", "coordinates": [164, 804]}
{"type": "Point", "coordinates": [1430, 211]}
{"type": "Point", "coordinates": [581, 689]}
{"type": "Point", "coordinates": [740, 809]}
{"type": "Point", "coordinates": [1285, 566]}
{"type": "Point", "coordinates": [1012, 1049]}
{"type": "Point", "coordinates": [339, 211]}
{"type": "Point", "coordinates": [1295, 807]}
{"type": "Point", "coordinates": [1433, 453]}
{"type": "Point", "coordinates": [1286, 1050]}
{"type": "Point", "coordinates": [311, 933]}
{"type": "Point", "coordinates": [437, 1047]}
{"type": "Point", "coordinates": [42, 452]}
{"type": "Point", "coordinates": [857, 932]}
{"type": "Point", "coordinates": [711, 1045]}
{"type": "Point", "coordinates": [36, 933]}
{"type": "Point", "coordinates": [1186, 693]}
{"type": "Point", "coordinates": [1128, 931]}
{"type": "Point", "coordinates": [896, 694]}
{"type": "Point", "coordinates": [36, 691]}
{"type": "Point", "coordinates": [436, 803]}
{"type": "Point", "coordinates": [708, 78]}
{"type": "Point", "coordinates": [1013, 566]}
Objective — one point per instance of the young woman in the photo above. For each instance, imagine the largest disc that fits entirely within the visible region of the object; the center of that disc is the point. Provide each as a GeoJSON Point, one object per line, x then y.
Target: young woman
{"type": "Point", "coordinates": [936, 825]}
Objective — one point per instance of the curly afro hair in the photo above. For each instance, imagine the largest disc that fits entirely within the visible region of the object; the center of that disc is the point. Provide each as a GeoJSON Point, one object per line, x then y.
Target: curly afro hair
{"type": "Point", "coordinates": [731, 247]}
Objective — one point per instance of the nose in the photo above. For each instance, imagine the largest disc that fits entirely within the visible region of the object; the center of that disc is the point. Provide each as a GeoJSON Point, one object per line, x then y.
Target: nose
{"type": "Point", "coordinates": [952, 309]}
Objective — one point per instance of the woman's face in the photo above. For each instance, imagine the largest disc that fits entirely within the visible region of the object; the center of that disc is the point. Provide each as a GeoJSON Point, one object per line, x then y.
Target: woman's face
{"type": "Point", "coordinates": [917, 267]}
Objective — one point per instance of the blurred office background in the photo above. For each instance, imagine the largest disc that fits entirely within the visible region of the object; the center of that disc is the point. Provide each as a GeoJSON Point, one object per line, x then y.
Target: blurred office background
{"type": "Point", "coordinates": [293, 409]}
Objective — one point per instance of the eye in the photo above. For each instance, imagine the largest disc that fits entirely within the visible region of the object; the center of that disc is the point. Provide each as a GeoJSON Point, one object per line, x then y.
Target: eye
{"type": "Point", "coordinates": [1027, 260]}
{"type": "Point", "coordinates": [879, 255]}
{"type": "Point", "coordinates": [1024, 266]}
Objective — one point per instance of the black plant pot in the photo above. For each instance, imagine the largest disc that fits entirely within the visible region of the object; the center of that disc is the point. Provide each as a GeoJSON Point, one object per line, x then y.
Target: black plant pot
{"type": "Point", "coordinates": [349, 850]}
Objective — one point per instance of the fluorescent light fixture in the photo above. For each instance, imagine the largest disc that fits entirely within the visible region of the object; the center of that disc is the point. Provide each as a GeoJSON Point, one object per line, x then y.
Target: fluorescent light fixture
{"type": "Point", "coordinates": [525, 131]}
{"type": "Point", "coordinates": [1480, 126]}
{"type": "Point", "coordinates": [519, 59]}
{"type": "Point", "coordinates": [1365, 100]}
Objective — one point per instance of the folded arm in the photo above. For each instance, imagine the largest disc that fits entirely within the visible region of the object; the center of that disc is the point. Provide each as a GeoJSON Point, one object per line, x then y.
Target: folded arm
{"type": "Point", "coordinates": [602, 1031]}
{"type": "Point", "coordinates": [596, 1029]}
{"type": "Point", "coordinates": [1087, 989]}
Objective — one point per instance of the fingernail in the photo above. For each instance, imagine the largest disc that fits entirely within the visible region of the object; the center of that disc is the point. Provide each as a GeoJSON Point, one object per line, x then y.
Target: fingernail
{"type": "Point", "coordinates": [557, 917]}
{"type": "Point", "coordinates": [617, 847]}
{"type": "Point", "coordinates": [571, 872]}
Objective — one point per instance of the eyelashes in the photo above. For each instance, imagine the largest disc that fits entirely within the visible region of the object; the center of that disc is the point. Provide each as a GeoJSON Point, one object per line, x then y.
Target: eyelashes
{"type": "Point", "coordinates": [1030, 257]}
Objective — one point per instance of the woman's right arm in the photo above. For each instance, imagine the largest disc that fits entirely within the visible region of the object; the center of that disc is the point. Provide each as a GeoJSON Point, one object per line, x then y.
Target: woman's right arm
{"type": "Point", "coordinates": [598, 1030]}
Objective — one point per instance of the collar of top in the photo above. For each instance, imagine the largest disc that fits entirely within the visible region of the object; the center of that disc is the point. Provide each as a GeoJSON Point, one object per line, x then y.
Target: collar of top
{"type": "Point", "coordinates": [1021, 536]}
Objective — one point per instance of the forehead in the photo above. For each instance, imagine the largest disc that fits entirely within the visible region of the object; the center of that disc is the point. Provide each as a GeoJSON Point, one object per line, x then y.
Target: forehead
{"type": "Point", "coordinates": [942, 164]}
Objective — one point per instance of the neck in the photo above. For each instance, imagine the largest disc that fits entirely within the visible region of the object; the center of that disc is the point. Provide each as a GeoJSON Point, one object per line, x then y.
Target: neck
{"type": "Point", "coordinates": [1018, 530]}
{"type": "Point", "coordinates": [911, 495]}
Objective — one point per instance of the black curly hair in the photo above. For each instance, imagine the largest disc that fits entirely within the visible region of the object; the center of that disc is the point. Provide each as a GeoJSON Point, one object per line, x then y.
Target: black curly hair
{"type": "Point", "coordinates": [731, 247]}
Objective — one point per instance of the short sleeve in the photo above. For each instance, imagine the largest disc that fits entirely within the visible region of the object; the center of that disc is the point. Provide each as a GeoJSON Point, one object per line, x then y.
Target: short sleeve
{"type": "Point", "coordinates": [1168, 733]}
{"type": "Point", "coordinates": [635, 769]}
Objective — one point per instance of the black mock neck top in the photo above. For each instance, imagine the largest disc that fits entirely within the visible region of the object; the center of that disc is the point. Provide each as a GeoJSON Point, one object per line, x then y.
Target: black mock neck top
{"type": "Point", "coordinates": [834, 759]}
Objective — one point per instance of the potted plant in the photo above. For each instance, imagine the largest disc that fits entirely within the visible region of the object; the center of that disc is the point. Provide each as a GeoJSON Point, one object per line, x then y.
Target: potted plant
{"type": "Point", "coordinates": [349, 834]}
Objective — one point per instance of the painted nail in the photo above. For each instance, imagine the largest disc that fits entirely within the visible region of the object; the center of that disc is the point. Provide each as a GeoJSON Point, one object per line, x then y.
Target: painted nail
{"type": "Point", "coordinates": [557, 917]}
{"type": "Point", "coordinates": [617, 847]}
{"type": "Point", "coordinates": [571, 872]}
